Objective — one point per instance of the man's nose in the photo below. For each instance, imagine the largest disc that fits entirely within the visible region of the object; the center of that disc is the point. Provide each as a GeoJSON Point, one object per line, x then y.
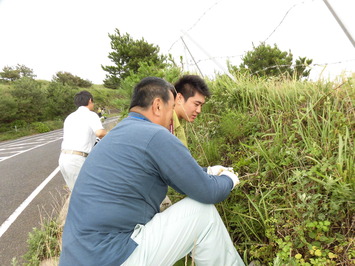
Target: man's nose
{"type": "Point", "coordinates": [198, 110]}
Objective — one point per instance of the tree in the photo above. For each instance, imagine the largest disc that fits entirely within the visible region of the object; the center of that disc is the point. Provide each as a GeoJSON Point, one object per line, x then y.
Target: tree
{"type": "Point", "coordinates": [170, 73]}
{"type": "Point", "coordinates": [25, 71]}
{"type": "Point", "coordinates": [66, 78]}
{"type": "Point", "coordinates": [266, 61]}
{"type": "Point", "coordinates": [30, 99]}
{"type": "Point", "coordinates": [8, 106]}
{"type": "Point", "coordinates": [127, 56]}
{"type": "Point", "coordinates": [300, 70]}
{"type": "Point", "coordinates": [9, 74]}
{"type": "Point", "coordinates": [60, 100]}
{"type": "Point", "coordinates": [14, 73]}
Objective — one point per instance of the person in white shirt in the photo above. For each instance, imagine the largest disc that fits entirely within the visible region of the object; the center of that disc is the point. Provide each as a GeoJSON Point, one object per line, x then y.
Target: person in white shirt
{"type": "Point", "coordinates": [79, 136]}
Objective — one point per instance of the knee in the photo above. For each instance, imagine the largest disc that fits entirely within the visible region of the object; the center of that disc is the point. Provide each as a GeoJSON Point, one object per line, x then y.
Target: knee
{"type": "Point", "coordinates": [204, 210]}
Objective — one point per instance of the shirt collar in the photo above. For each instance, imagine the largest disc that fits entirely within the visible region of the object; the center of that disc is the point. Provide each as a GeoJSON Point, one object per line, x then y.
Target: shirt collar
{"type": "Point", "coordinates": [138, 116]}
{"type": "Point", "coordinates": [83, 108]}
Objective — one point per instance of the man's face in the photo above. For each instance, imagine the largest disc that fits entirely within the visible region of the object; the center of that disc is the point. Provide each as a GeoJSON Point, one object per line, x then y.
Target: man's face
{"type": "Point", "coordinates": [167, 112]}
{"type": "Point", "coordinates": [189, 109]}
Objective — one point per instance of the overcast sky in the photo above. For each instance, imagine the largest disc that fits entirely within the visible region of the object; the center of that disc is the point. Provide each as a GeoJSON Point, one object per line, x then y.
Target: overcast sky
{"type": "Point", "coordinates": [72, 35]}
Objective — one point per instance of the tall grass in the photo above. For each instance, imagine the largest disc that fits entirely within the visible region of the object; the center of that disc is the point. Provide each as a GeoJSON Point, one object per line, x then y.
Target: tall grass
{"type": "Point", "coordinates": [292, 143]}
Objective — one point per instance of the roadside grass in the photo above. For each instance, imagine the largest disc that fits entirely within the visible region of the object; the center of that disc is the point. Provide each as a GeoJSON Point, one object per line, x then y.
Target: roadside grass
{"type": "Point", "coordinates": [20, 128]}
{"type": "Point", "coordinates": [44, 242]}
{"type": "Point", "coordinates": [292, 143]}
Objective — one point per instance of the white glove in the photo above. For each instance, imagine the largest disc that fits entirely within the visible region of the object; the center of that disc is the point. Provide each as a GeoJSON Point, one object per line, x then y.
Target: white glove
{"type": "Point", "coordinates": [218, 169]}
{"type": "Point", "coordinates": [232, 176]}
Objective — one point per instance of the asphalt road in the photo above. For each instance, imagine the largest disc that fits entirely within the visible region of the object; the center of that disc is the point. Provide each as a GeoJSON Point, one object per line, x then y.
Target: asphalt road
{"type": "Point", "coordinates": [32, 189]}
{"type": "Point", "coordinates": [24, 164]}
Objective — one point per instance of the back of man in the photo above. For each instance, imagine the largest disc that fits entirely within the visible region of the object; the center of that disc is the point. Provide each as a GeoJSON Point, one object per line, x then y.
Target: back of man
{"type": "Point", "coordinates": [79, 135]}
{"type": "Point", "coordinates": [79, 130]}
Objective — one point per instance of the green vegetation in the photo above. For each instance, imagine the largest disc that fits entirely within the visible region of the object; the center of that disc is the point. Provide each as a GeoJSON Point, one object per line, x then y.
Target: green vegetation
{"type": "Point", "coordinates": [67, 78]}
{"type": "Point", "coordinates": [267, 61]}
{"type": "Point", "coordinates": [128, 55]}
{"type": "Point", "coordinates": [291, 141]}
{"type": "Point", "coordinates": [32, 106]}
{"type": "Point", "coordinates": [292, 144]}
{"type": "Point", "coordinates": [44, 243]}
{"type": "Point", "coordinates": [10, 73]}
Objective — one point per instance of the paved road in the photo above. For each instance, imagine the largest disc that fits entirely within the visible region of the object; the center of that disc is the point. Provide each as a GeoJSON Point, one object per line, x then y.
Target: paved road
{"type": "Point", "coordinates": [32, 189]}
{"type": "Point", "coordinates": [24, 164]}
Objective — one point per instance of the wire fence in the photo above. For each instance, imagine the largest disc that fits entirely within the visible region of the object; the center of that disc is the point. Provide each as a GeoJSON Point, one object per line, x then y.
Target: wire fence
{"type": "Point", "coordinates": [193, 61]}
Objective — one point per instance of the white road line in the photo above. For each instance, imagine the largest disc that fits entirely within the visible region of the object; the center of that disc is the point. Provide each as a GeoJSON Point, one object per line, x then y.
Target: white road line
{"type": "Point", "coordinates": [22, 207]}
{"type": "Point", "coordinates": [18, 153]}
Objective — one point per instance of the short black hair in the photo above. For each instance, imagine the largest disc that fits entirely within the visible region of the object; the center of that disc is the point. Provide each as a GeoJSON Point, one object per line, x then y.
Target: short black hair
{"type": "Point", "coordinates": [188, 85]}
{"type": "Point", "coordinates": [150, 88]}
{"type": "Point", "coordinates": [82, 98]}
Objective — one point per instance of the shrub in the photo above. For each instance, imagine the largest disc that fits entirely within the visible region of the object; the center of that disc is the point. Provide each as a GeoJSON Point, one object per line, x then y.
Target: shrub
{"type": "Point", "coordinates": [43, 243]}
{"type": "Point", "coordinates": [40, 127]}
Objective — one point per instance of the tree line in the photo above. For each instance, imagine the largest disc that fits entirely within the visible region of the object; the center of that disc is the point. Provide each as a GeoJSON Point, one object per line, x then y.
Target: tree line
{"type": "Point", "coordinates": [264, 61]}
{"type": "Point", "coordinates": [25, 99]}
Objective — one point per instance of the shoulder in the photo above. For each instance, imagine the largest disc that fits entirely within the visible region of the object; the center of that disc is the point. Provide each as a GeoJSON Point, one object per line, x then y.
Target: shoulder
{"type": "Point", "coordinates": [71, 115]}
{"type": "Point", "coordinates": [175, 119]}
{"type": "Point", "coordinates": [162, 138]}
{"type": "Point", "coordinates": [88, 113]}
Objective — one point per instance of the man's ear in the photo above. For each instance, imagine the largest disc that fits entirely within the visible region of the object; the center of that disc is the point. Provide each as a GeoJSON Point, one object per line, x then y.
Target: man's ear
{"type": "Point", "coordinates": [179, 98]}
{"type": "Point", "coordinates": [157, 106]}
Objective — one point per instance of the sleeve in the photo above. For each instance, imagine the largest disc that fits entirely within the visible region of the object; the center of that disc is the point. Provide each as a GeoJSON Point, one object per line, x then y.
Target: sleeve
{"type": "Point", "coordinates": [95, 122]}
{"type": "Point", "coordinates": [181, 171]}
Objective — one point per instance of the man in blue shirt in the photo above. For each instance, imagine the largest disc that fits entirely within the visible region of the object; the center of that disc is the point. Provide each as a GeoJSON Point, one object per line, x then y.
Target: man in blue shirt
{"type": "Point", "coordinates": [113, 216]}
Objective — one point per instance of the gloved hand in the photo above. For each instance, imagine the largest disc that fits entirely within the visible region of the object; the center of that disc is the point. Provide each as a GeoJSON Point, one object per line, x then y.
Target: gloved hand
{"type": "Point", "coordinates": [233, 176]}
{"type": "Point", "coordinates": [218, 169]}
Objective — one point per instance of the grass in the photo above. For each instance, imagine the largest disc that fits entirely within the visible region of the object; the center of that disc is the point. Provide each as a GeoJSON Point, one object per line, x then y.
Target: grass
{"type": "Point", "coordinates": [14, 131]}
{"type": "Point", "coordinates": [44, 242]}
{"type": "Point", "coordinates": [293, 146]}
{"type": "Point", "coordinates": [292, 143]}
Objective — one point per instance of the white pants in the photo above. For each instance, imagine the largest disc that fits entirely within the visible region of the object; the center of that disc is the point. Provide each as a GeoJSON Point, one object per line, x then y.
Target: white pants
{"type": "Point", "coordinates": [187, 226]}
{"type": "Point", "coordinates": [70, 165]}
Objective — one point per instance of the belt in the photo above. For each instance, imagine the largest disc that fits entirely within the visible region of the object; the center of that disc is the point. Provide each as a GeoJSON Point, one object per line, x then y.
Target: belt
{"type": "Point", "coordinates": [84, 154]}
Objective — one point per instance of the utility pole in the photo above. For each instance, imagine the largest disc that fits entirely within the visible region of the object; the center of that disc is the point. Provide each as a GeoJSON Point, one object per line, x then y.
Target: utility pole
{"type": "Point", "coordinates": [347, 33]}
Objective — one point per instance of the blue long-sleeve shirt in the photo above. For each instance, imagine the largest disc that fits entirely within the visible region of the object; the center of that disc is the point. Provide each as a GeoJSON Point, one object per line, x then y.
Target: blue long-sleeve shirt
{"type": "Point", "coordinates": [122, 183]}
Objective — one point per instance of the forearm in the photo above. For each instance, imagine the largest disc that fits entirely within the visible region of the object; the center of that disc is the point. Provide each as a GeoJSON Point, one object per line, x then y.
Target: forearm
{"type": "Point", "coordinates": [100, 133]}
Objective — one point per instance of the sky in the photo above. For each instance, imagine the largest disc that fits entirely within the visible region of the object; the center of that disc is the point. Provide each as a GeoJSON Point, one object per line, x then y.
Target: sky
{"type": "Point", "coordinates": [72, 35]}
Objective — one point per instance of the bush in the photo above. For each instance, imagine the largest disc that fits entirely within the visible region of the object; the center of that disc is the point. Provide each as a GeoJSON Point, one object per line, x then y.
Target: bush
{"type": "Point", "coordinates": [43, 243]}
{"type": "Point", "coordinates": [18, 124]}
{"type": "Point", "coordinates": [40, 127]}
{"type": "Point", "coordinates": [30, 99]}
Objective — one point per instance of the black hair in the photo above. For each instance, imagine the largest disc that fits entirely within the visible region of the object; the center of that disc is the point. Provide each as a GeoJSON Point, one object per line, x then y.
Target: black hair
{"type": "Point", "coordinates": [150, 88]}
{"type": "Point", "coordinates": [188, 85]}
{"type": "Point", "coordinates": [82, 98]}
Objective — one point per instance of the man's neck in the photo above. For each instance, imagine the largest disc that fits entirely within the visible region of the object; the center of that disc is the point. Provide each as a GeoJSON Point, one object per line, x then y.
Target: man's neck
{"type": "Point", "coordinates": [178, 113]}
{"type": "Point", "coordinates": [141, 111]}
